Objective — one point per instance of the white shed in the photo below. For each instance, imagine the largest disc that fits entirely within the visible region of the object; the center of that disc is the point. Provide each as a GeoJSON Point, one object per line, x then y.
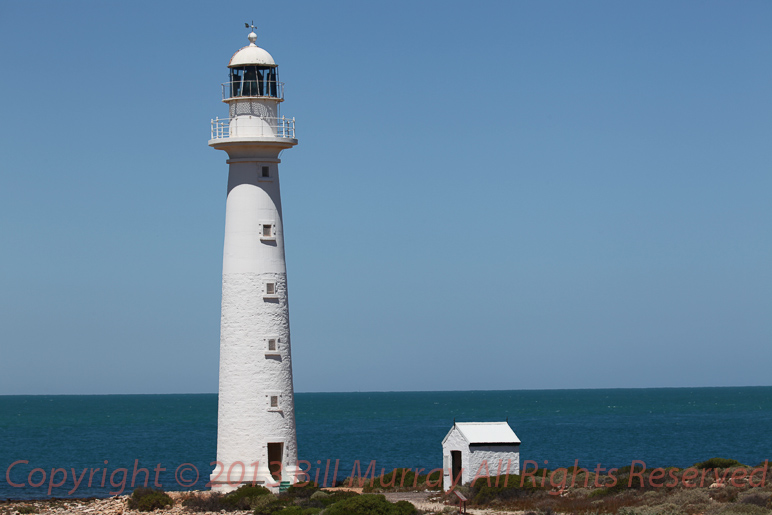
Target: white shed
{"type": "Point", "coordinates": [479, 449]}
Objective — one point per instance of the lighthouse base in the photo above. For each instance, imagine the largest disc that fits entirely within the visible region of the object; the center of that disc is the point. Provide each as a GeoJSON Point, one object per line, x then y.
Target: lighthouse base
{"type": "Point", "coordinates": [220, 482]}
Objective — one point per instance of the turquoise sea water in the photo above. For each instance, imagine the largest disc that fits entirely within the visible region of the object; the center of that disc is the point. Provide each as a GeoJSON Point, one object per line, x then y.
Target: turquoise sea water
{"type": "Point", "coordinates": [678, 426]}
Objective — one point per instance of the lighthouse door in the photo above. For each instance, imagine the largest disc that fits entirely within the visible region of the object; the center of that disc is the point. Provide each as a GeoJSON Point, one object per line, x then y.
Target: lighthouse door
{"type": "Point", "coordinates": [275, 451]}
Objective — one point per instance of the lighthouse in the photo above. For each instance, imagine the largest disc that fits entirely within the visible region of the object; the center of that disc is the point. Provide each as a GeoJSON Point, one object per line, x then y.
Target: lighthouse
{"type": "Point", "coordinates": [256, 440]}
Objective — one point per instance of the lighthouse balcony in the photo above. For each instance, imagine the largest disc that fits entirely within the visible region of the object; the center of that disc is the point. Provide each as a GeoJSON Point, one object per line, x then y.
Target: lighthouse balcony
{"type": "Point", "coordinates": [253, 89]}
{"type": "Point", "coordinates": [253, 127]}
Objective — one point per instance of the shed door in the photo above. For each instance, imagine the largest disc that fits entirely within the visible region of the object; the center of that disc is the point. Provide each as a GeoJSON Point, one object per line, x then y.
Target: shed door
{"type": "Point", "coordinates": [455, 459]}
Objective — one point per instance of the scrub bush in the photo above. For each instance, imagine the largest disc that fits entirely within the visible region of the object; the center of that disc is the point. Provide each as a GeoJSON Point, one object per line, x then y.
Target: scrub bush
{"type": "Point", "coordinates": [318, 496]}
{"type": "Point", "coordinates": [662, 509]}
{"type": "Point", "coordinates": [338, 495]}
{"type": "Point", "coordinates": [755, 498]}
{"type": "Point", "coordinates": [689, 497]}
{"type": "Point", "coordinates": [267, 504]}
{"type": "Point", "coordinates": [299, 510]}
{"type": "Point", "coordinates": [147, 499]}
{"type": "Point", "coordinates": [243, 497]}
{"type": "Point", "coordinates": [629, 468]}
{"type": "Point", "coordinates": [481, 493]}
{"type": "Point", "coordinates": [370, 505]}
{"type": "Point", "coordinates": [741, 509]}
{"type": "Point", "coordinates": [726, 494]}
{"type": "Point", "coordinates": [400, 480]}
{"type": "Point", "coordinates": [203, 502]}
{"type": "Point", "coordinates": [300, 492]}
{"type": "Point", "coordinates": [240, 499]}
{"type": "Point", "coordinates": [718, 463]}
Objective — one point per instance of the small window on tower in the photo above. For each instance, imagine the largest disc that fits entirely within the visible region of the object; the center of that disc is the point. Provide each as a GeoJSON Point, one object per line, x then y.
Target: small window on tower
{"type": "Point", "coordinates": [270, 288]}
{"type": "Point", "coordinates": [272, 347]}
{"type": "Point", "coordinates": [272, 400]}
{"type": "Point", "coordinates": [267, 231]}
{"type": "Point", "coordinates": [266, 172]}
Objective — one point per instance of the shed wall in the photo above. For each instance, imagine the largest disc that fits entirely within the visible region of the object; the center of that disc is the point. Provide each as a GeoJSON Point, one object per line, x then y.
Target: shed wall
{"type": "Point", "coordinates": [496, 458]}
{"type": "Point", "coordinates": [454, 442]}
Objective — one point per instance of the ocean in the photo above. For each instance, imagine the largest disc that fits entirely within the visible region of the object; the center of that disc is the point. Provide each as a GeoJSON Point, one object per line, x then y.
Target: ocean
{"type": "Point", "coordinates": [45, 439]}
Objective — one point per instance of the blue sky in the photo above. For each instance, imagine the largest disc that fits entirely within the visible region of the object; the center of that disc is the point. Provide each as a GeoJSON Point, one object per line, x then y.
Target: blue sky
{"type": "Point", "coordinates": [495, 195]}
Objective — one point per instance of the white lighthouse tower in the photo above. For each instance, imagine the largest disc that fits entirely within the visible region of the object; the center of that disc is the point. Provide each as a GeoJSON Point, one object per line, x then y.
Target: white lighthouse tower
{"type": "Point", "coordinates": [256, 439]}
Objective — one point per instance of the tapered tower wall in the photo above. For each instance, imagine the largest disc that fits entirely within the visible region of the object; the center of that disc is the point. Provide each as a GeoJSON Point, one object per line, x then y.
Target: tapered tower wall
{"type": "Point", "coordinates": [256, 413]}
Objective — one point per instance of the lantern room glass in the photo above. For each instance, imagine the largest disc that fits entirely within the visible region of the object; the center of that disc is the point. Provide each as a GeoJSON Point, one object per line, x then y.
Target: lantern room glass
{"type": "Point", "coordinates": [254, 81]}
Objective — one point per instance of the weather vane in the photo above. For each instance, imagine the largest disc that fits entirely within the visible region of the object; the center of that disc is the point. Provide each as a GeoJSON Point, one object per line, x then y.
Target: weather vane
{"type": "Point", "coordinates": [247, 25]}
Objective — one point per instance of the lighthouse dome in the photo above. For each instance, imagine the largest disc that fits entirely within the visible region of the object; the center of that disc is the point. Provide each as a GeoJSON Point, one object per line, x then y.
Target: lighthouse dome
{"type": "Point", "coordinates": [251, 55]}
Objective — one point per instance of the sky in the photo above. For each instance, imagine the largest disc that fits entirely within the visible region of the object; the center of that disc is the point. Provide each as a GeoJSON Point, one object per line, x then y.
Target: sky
{"type": "Point", "coordinates": [485, 195]}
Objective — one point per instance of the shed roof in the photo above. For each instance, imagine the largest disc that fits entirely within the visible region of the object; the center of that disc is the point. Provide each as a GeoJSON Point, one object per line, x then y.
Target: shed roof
{"type": "Point", "coordinates": [486, 432]}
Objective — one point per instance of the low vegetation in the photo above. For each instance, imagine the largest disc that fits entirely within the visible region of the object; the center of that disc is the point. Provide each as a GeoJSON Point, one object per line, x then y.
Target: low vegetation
{"type": "Point", "coordinates": [147, 499]}
{"type": "Point", "coordinates": [370, 504]}
{"type": "Point", "coordinates": [713, 487]}
{"type": "Point", "coordinates": [297, 500]}
{"type": "Point", "coordinates": [716, 486]}
{"type": "Point", "coordinates": [718, 463]}
{"type": "Point", "coordinates": [241, 499]}
{"type": "Point", "coordinates": [399, 480]}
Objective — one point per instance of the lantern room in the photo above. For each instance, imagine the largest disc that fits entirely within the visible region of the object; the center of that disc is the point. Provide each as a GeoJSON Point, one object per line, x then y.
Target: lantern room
{"type": "Point", "coordinates": [253, 74]}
